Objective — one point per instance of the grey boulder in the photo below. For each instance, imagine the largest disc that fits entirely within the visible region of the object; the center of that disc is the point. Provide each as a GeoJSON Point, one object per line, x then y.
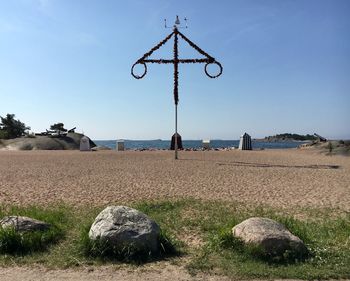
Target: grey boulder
{"type": "Point", "coordinates": [125, 227]}
{"type": "Point", "coordinates": [99, 148]}
{"type": "Point", "coordinates": [22, 224]}
{"type": "Point", "coordinates": [71, 141]}
{"type": "Point", "coordinates": [272, 237]}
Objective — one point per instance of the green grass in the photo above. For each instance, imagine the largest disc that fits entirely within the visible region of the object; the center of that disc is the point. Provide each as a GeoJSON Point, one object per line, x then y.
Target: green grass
{"type": "Point", "coordinates": [325, 232]}
{"type": "Point", "coordinates": [16, 243]}
{"type": "Point", "coordinates": [328, 242]}
{"type": "Point", "coordinates": [12, 242]}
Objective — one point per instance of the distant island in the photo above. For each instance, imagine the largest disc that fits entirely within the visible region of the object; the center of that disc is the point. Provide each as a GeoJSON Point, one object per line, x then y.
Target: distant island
{"type": "Point", "coordinates": [290, 137]}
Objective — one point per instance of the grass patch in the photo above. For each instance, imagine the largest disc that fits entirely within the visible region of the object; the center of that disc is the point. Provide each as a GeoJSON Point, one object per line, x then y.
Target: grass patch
{"type": "Point", "coordinates": [12, 242]}
{"type": "Point", "coordinates": [224, 240]}
{"type": "Point", "coordinates": [326, 236]}
{"type": "Point", "coordinates": [328, 242]}
{"type": "Point", "coordinates": [21, 243]}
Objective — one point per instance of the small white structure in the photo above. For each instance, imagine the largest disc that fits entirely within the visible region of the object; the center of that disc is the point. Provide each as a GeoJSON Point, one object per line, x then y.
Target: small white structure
{"type": "Point", "coordinates": [120, 145]}
{"type": "Point", "coordinates": [85, 144]}
{"type": "Point", "coordinates": [245, 142]}
{"type": "Point", "coordinates": [206, 144]}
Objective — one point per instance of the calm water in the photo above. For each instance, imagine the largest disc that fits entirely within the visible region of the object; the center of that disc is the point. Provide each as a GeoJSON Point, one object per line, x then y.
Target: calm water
{"type": "Point", "coordinates": [165, 144]}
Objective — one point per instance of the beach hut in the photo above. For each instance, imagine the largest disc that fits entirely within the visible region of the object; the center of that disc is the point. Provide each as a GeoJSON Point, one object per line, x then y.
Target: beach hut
{"type": "Point", "coordinates": [179, 142]}
{"type": "Point", "coordinates": [120, 145]}
{"type": "Point", "coordinates": [245, 142]}
{"type": "Point", "coordinates": [85, 144]}
{"type": "Point", "coordinates": [206, 144]}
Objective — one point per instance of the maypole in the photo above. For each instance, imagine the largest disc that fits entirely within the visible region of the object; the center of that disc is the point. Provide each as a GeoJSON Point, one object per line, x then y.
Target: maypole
{"type": "Point", "coordinates": [175, 61]}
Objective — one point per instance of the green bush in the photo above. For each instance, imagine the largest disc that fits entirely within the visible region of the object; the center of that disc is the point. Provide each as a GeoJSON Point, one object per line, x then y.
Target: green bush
{"type": "Point", "coordinates": [3, 134]}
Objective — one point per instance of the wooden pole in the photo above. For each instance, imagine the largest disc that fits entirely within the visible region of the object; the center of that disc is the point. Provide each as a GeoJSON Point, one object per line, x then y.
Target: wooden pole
{"type": "Point", "coordinates": [176, 144]}
{"type": "Point", "coordinates": [176, 81]}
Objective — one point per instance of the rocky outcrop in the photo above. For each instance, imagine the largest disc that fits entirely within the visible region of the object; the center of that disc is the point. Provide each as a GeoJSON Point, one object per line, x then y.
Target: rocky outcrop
{"type": "Point", "coordinates": [124, 227]}
{"type": "Point", "coordinates": [330, 147]}
{"type": "Point", "coordinates": [272, 237]}
{"type": "Point", "coordinates": [71, 141]}
{"type": "Point", "coordinates": [23, 224]}
{"type": "Point", "coordinates": [100, 148]}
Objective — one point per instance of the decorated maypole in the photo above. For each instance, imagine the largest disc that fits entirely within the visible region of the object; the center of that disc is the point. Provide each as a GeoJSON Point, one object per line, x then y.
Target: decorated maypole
{"type": "Point", "coordinates": [176, 61]}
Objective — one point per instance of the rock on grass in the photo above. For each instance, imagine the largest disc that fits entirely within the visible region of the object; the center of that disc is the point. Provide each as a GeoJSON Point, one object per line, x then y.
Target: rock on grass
{"type": "Point", "coordinates": [23, 224]}
{"type": "Point", "coordinates": [273, 238]}
{"type": "Point", "coordinates": [125, 227]}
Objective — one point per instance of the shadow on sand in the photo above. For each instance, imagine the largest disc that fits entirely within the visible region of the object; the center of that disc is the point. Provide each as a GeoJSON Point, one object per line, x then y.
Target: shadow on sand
{"type": "Point", "coordinates": [263, 165]}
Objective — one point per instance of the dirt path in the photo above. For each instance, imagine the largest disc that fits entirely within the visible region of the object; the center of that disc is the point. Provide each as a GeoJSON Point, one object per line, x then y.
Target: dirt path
{"type": "Point", "coordinates": [167, 272]}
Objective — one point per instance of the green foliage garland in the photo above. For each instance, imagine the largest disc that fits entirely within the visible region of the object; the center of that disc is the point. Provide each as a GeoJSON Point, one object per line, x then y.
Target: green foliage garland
{"type": "Point", "coordinates": [145, 59]}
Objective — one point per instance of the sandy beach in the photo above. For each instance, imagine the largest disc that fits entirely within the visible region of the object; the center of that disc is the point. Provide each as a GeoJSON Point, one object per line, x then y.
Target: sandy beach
{"type": "Point", "coordinates": [285, 179]}
{"type": "Point", "coordinates": [279, 178]}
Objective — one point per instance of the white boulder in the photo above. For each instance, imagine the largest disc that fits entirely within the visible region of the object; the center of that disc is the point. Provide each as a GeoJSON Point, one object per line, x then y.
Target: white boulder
{"type": "Point", "coordinates": [126, 227]}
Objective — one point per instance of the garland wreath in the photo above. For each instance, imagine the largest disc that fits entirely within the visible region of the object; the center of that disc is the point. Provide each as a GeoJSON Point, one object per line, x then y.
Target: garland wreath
{"type": "Point", "coordinates": [144, 60]}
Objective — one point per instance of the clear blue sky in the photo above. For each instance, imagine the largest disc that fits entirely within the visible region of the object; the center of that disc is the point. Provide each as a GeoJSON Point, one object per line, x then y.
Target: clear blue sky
{"type": "Point", "coordinates": [286, 67]}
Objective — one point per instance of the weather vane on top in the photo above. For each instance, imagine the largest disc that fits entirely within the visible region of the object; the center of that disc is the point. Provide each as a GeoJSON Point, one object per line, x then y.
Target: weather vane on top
{"type": "Point", "coordinates": [177, 23]}
{"type": "Point", "coordinates": [176, 61]}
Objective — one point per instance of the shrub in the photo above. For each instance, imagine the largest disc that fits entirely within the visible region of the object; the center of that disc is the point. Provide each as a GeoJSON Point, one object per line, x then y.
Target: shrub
{"type": "Point", "coordinates": [330, 147]}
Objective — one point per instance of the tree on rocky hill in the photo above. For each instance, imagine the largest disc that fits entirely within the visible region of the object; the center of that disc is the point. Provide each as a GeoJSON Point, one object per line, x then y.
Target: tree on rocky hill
{"type": "Point", "coordinates": [58, 127]}
{"type": "Point", "coordinates": [11, 128]}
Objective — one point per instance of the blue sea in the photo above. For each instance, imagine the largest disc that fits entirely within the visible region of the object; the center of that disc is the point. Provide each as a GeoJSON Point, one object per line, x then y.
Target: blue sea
{"type": "Point", "coordinates": [195, 144]}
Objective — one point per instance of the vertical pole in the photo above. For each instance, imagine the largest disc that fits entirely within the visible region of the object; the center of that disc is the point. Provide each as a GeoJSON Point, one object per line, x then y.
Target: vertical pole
{"type": "Point", "coordinates": [176, 83]}
{"type": "Point", "coordinates": [176, 157]}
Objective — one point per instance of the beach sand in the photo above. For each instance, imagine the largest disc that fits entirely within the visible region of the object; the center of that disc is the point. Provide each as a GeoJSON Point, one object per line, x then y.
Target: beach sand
{"type": "Point", "coordinates": [279, 178]}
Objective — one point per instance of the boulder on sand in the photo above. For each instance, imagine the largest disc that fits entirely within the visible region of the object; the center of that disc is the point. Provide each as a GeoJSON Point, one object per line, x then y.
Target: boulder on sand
{"type": "Point", "coordinates": [100, 148]}
{"type": "Point", "coordinates": [270, 236]}
{"type": "Point", "coordinates": [23, 224]}
{"type": "Point", "coordinates": [124, 227]}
